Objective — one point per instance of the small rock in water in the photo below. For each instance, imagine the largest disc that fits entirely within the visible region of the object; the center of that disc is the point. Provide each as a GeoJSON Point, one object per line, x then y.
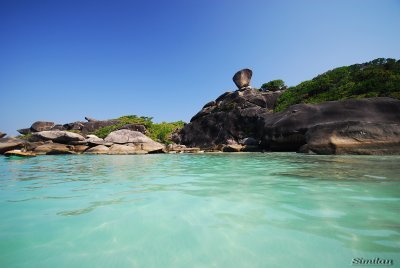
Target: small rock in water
{"type": "Point", "coordinates": [19, 153]}
{"type": "Point", "coordinates": [242, 78]}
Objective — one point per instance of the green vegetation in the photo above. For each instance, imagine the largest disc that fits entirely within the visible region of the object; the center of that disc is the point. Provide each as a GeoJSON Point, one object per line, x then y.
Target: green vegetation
{"type": "Point", "coordinates": [161, 132]}
{"type": "Point", "coordinates": [24, 136]}
{"type": "Point", "coordinates": [378, 78]}
{"type": "Point", "coordinates": [157, 131]}
{"type": "Point", "coordinates": [273, 85]}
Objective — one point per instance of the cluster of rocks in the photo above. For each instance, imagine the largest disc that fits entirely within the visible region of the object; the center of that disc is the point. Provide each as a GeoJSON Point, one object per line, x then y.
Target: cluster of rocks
{"type": "Point", "coordinates": [90, 126]}
{"type": "Point", "coordinates": [243, 120]}
{"type": "Point", "coordinates": [52, 142]}
{"type": "Point", "coordinates": [238, 121]}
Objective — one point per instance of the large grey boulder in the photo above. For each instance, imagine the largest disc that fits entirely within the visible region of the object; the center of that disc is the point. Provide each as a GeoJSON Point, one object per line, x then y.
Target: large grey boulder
{"type": "Point", "coordinates": [54, 148]}
{"type": "Point", "coordinates": [58, 127]}
{"type": "Point", "coordinates": [74, 126]}
{"type": "Point", "coordinates": [287, 130]}
{"type": "Point", "coordinates": [124, 136]}
{"type": "Point", "coordinates": [25, 131]}
{"type": "Point", "coordinates": [41, 126]}
{"type": "Point", "coordinates": [7, 144]}
{"type": "Point", "coordinates": [353, 138]}
{"type": "Point", "coordinates": [124, 149]}
{"type": "Point", "coordinates": [92, 126]}
{"type": "Point", "coordinates": [99, 149]}
{"type": "Point", "coordinates": [57, 136]}
{"type": "Point", "coordinates": [242, 78]}
{"type": "Point", "coordinates": [135, 127]}
{"type": "Point", "coordinates": [93, 138]}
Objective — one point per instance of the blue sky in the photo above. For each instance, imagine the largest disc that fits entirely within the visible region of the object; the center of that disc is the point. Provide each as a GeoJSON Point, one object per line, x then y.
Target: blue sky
{"type": "Point", "coordinates": [63, 60]}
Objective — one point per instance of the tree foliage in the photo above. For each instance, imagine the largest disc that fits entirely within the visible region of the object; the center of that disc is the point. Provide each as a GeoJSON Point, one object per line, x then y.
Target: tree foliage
{"type": "Point", "coordinates": [157, 131]}
{"type": "Point", "coordinates": [273, 85]}
{"type": "Point", "coordinates": [377, 78]}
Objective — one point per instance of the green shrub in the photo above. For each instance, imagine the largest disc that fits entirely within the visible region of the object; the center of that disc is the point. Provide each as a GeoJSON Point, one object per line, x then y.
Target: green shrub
{"type": "Point", "coordinates": [159, 132]}
{"type": "Point", "coordinates": [378, 78]}
{"type": "Point", "coordinates": [273, 85]}
{"type": "Point", "coordinates": [24, 136]}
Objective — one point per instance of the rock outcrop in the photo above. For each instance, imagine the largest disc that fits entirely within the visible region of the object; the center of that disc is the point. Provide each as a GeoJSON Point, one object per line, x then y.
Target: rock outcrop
{"type": "Point", "coordinates": [353, 138]}
{"type": "Point", "coordinates": [25, 131]}
{"type": "Point", "coordinates": [232, 116]}
{"type": "Point", "coordinates": [244, 121]}
{"type": "Point", "coordinates": [92, 126]}
{"type": "Point", "coordinates": [135, 127]}
{"type": "Point", "coordinates": [99, 149]}
{"type": "Point", "coordinates": [124, 149]}
{"type": "Point", "coordinates": [54, 148]}
{"type": "Point", "coordinates": [19, 153]}
{"type": "Point", "coordinates": [126, 136]}
{"type": "Point", "coordinates": [89, 119]}
{"type": "Point", "coordinates": [41, 126]}
{"type": "Point", "coordinates": [65, 137]}
{"type": "Point", "coordinates": [8, 144]}
{"type": "Point", "coordinates": [287, 130]}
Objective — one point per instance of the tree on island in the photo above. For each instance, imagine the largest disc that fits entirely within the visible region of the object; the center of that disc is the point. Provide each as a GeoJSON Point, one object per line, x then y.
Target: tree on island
{"type": "Point", "coordinates": [273, 85]}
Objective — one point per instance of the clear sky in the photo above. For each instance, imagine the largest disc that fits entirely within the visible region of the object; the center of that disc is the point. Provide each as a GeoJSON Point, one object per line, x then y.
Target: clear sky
{"type": "Point", "coordinates": [61, 60]}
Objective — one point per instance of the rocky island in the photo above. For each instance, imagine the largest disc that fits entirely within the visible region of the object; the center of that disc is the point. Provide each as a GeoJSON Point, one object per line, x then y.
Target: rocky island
{"type": "Point", "coordinates": [322, 116]}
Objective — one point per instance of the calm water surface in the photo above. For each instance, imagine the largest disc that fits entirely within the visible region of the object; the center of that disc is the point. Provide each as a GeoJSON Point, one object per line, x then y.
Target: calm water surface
{"type": "Point", "coordinates": [211, 210]}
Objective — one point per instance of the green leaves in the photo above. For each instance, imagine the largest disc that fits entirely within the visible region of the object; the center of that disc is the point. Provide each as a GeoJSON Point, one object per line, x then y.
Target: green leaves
{"type": "Point", "coordinates": [160, 132]}
{"type": "Point", "coordinates": [378, 78]}
{"type": "Point", "coordinates": [273, 85]}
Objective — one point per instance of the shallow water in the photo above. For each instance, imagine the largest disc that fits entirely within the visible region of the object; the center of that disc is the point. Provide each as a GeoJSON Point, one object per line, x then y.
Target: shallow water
{"type": "Point", "coordinates": [210, 210]}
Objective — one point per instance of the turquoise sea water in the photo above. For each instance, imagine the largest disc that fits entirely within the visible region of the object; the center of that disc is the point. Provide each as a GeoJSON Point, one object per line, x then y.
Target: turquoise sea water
{"type": "Point", "coordinates": [210, 210]}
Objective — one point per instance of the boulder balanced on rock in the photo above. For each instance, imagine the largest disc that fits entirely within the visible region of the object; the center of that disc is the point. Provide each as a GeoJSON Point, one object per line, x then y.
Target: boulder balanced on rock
{"type": "Point", "coordinates": [41, 126]}
{"type": "Point", "coordinates": [242, 78]}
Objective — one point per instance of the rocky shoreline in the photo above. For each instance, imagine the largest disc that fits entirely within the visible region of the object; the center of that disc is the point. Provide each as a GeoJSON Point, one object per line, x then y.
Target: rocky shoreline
{"type": "Point", "coordinates": [239, 121]}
